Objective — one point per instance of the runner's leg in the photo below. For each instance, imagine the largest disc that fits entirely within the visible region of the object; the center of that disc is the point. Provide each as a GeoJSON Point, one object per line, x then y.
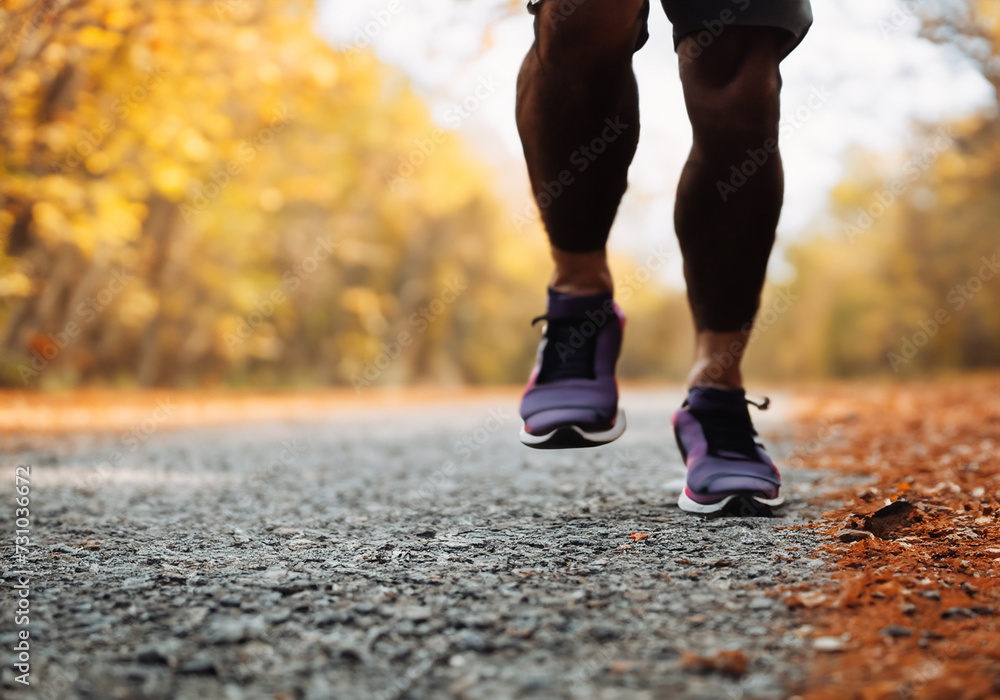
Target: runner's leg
{"type": "Point", "coordinates": [726, 223]}
{"type": "Point", "coordinates": [578, 117]}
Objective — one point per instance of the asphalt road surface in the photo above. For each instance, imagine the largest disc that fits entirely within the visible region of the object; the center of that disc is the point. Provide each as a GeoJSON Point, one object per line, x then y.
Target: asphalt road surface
{"type": "Point", "coordinates": [414, 551]}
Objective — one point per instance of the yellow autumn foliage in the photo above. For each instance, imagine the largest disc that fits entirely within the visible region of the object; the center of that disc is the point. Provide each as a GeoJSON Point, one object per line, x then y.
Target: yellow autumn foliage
{"type": "Point", "coordinates": [204, 191]}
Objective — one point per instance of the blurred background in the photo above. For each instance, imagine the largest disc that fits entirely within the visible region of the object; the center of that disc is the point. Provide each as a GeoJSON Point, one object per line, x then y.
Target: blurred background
{"type": "Point", "coordinates": [292, 194]}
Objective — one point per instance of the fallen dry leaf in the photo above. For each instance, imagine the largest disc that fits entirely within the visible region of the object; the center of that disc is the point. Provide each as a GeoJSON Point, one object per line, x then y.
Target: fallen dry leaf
{"type": "Point", "coordinates": [638, 536]}
{"type": "Point", "coordinates": [620, 666]}
{"type": "Point", "coordinates": [808, 599]}
{"type": "Point", "coordinates": [728, 663]}
{"type": "Point", "coordinates": [851, 535]}
{"type": "Point", "coordinates": [898, 515]}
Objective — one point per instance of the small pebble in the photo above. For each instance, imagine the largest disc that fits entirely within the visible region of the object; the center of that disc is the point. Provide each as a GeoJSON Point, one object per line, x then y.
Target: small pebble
{"type": "Point", "coordinates": [151, 656]}
{"type": "Point", "coordinates": [416, 614]}
{"type": "Point", "coordinates": [198, 666]}
{"type": "Point", "coordinates": [848, 535]}
{"type": "Point", "coordinates": [604, 634]}
{"type": "Point", "coordinates": [828, 644]}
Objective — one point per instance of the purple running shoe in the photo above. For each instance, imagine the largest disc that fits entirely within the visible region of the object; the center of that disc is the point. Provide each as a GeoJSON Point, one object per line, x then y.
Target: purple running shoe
{"type": "Point", "coordinates": [725, 459]}
{"type": "Point", "coordinates": [572, 395]}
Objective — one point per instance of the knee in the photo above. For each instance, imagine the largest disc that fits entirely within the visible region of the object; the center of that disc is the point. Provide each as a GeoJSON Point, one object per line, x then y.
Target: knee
{"type": "Point", "coordinates": [743, 111]}
{"type": "Point", "coordinates": [735, 106]}
{"type": "Point", "coordinates": [589, 31]}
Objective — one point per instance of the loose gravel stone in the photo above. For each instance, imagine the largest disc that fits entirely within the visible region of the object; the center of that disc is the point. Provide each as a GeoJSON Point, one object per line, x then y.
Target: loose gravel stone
{"type": "Point", "coordinates": [829, 644]}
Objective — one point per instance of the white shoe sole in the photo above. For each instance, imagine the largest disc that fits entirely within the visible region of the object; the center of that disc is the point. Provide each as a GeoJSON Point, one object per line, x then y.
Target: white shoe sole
{"type": "Point", "coordinates": [571, 436]}
{"type": "Point", "coordinates": [688, 505]}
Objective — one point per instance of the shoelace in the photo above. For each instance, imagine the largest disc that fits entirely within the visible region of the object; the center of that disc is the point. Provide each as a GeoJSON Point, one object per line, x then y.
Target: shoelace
{"type": "Point", "coordinates": [730, 431]}
{"type": "Point", "coordinates": [568, 353]}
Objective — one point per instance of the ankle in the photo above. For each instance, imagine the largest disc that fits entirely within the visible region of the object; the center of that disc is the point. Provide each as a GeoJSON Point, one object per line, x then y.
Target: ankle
{"type": "Point", "coordinates": [580, 274]}
{"type": "Point", "coordinates": [708, 376]}
{"type": "Point", "coordinates": [717, 360]}
{"type": "Point", "coordinates": [580, 289]}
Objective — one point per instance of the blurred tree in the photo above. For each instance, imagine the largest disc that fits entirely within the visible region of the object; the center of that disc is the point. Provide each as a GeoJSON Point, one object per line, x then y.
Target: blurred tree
{"type": "Point", "coordinates": [206, 191]}
{"type": "Point", "coordinates": [904, 275]}
{"type": "Point", "coordinates": [972, 27]}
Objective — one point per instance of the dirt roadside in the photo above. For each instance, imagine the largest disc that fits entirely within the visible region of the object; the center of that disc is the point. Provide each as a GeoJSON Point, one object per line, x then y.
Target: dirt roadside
{"type": "Point", "coordinates": [913, 611]}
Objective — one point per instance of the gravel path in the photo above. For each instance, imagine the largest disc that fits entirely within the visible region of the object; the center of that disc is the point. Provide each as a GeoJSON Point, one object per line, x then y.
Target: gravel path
{"type": "Point", "coordinates": [404, 552]}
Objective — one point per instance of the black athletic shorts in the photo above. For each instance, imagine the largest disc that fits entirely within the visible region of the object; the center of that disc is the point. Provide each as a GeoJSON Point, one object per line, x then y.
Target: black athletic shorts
{"type": "Point", "coordinates": [710, 17]}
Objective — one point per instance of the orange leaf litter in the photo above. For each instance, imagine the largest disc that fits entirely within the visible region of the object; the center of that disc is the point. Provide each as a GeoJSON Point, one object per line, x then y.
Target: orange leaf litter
{"type": "Point", "coordinates": [918, 607]}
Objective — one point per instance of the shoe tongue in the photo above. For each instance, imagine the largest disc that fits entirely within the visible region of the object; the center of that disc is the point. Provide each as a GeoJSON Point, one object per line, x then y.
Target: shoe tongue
{"type": "Point", "coordinates": [562, 305]}
{"type": "Point", "coordinates": [711, 398]}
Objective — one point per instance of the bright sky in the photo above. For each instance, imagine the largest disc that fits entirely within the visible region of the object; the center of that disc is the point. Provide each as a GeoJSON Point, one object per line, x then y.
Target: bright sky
{"type": "Point", "coordinates": [864, 55]}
